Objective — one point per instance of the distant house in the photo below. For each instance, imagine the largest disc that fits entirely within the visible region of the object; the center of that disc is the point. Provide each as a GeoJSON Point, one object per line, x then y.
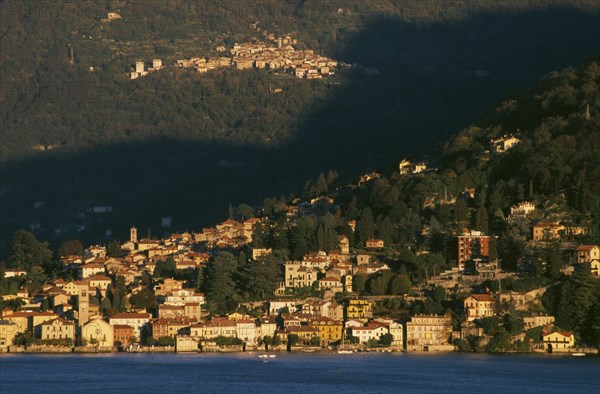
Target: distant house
{"type": "Point", "coordinates": [547, 231]}
{"type": "Point", "coordinates": [558, 340]}
{"type": "Point", "coordinates": [478, 306]}
{"type": "Point", "coordinates": [344, 244]}
{"type": "Point", "coordinates": [58, 328]}
{"type": "Point", "coordinates": [298, 275]}
{"type": "Point", "coordinates": [8, 331]}
{"type": "Point", "coordinates": [522, 209]}
{"type": "Point", "coordinates": [504, 143]}
{"type": "Point", "coordinates": [12, 273]}
{"type": "Point", "coordinates": [590, 254]}
{"type": "Point", "coordinates": [365, 334]}
{"type": "Point", "coordinates": [91, 269]}
{"type": "Point", "coordinates": [123, 334]}
{"type": "Point", "coordinates": [374, 243]}
{"type": "Point", "coordinates": [472, 245]}
{"type": "Point", "coordinates": [136, 320]}
{"type": "Point", "coordinates": [304, 333]}
{"type": "Point", "coordinates": [358, 308]}
{"type": "Point", "coordinates": [426, 331]}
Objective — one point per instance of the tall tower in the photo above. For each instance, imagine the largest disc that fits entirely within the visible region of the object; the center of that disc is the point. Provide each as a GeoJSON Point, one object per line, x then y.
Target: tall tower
{"type": "Point", "coordinates": [84, 307]}
{"type": "Point", "coordinates": [133, 236]}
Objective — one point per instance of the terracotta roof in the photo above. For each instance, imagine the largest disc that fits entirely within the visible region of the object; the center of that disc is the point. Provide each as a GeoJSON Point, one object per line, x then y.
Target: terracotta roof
{"type": "Point", "coordinates": [130, 315]}
{"type": "Point", "coordinates": [59, 319]}
{"type": "Point", "coordinates": [582, 248]}
{"type": "Point", "coordinates": [483, 297]}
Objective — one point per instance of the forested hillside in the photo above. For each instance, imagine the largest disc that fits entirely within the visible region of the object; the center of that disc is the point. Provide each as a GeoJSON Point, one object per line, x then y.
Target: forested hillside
{"type": "Point", "coordinates": [78, 134]}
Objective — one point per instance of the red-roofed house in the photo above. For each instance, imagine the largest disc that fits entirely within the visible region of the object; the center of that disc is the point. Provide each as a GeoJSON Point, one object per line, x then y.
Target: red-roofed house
{"type": "Point", "coordinates": [135, 320]}
{"type": "Point", "coordinates": [478, 306]}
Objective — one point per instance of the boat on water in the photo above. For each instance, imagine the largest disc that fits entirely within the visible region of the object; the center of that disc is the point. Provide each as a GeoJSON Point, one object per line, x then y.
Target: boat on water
{"type": "Point", "coordinates": [578, 354]}
{"type": "Point", "coordinates": [342, 349]}
{"type": "Point", "coordinates": [307, 350]}
{"type": "Point", "coordinates": [266, 356]}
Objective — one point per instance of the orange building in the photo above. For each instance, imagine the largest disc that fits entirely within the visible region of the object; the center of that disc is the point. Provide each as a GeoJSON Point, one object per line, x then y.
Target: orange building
{"type": "Point", "coordinates": [472, 245]}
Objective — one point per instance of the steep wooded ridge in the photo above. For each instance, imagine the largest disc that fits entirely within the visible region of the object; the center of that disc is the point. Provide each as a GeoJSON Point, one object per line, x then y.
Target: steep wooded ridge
{"type": "Point", "coordinates": [74, 138]}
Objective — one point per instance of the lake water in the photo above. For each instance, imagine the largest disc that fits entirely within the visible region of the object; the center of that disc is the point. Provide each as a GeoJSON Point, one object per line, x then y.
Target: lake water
{"type": "Point", "coordinates": [299, 372]}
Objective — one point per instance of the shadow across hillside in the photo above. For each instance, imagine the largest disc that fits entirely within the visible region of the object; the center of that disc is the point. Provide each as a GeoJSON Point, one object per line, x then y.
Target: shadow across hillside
{"type": "Point", "coordinates": [424, 82]}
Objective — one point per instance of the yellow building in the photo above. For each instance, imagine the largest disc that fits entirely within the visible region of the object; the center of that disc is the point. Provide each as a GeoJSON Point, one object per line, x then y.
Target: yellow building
{"type": "Point", "coordinates": [31, 321]}
{"type": "Point", "coordinates": [547, 231]}
{"type": "Point", "coordinates": [478, 306]}
{"type": "Point", "coordinates": [58, 328]}
{"type": "Point", "coordinates": [8, 331]}
{"type": "Point", "coordinates": [330, 330]}
{"type": "Point", "coordinates": [558, 340]}
{"type": "Point", "coordinates": [358, 308]}
{"type": "Point", "coordinates": [97, 332]}
{"type": "Point", "coordinates": [424, 331]}
{"type": "Point", "coordinates": [305, 333]}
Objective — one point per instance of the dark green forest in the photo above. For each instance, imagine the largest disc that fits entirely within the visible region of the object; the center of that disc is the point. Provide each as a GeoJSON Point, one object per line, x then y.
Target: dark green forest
{"type": "Point", "coordinates": [180, 144]}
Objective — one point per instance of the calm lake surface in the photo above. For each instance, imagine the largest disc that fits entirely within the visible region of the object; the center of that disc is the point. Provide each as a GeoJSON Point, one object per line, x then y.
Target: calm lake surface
{"type": "Point", "coordinates": [299, 372]}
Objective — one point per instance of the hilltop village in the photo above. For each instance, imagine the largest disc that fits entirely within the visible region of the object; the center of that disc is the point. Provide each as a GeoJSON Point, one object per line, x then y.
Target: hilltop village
{"type": "Point", "coordinates": [240, 286]}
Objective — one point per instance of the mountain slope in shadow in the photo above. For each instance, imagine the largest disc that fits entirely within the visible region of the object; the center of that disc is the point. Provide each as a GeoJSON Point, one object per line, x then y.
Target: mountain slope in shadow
{"type": "Point", "coordinates": [424, 83]}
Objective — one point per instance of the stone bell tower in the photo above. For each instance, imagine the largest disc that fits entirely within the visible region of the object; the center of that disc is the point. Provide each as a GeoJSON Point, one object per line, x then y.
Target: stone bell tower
{"type": "Point", "coordinates": [133, 235]}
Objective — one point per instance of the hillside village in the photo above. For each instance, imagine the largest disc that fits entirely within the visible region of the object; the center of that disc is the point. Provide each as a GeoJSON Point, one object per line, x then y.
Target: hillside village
{"type": "Point", "coordinates": [145, 294]}
{"type": "Point", "coordinates": [279, 55]}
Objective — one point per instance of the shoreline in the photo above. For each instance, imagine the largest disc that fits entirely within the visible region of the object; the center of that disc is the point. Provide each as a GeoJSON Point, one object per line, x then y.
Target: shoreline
{"type": "Point", "coordinates": [172, 350]}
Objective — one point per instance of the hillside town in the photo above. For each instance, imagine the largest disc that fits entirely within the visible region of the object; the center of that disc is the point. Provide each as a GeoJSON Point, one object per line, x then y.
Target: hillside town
{"type": "Point", "coordinates": [145, 294]}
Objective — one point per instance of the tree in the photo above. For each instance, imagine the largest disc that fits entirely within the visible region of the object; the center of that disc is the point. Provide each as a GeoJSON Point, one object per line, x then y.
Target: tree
{"type": "Point", "coordinates": [245, 211]}
{"type": "Point", "coordinates": [261, 278]}
{"type": "Point", "coordinates": [386, 340]}
{"type": "Point", "coordinates": [200, 279]}
{"type": "Point", "coordinates": [481, 220]}
{"type": "Point", "coordinates": [315, 341]}
{"type": "Point", "coordinates": [554, 261]}
{"type": "Point", "coordinates": [220, 286]}
{"type": "Point", "coordinates": [166, 341]}
{"type": "Point", "coordinates": [114, 249]}
{"type": "Point", "coordinates": [258, 236]}
{"type": "Point", "coordinates": [105, 305]}
{"type": "Point", "coordinates": [27, 251]}
{"type": "Point", "coordinates": [143, 299]}
{"type": "Point", "coordinates": [366, 225]}
{"type": "Point", "coordinates": [71, 247]}
{"type": "Point", "coordinates": [292, 339]}
{"type": "Point", "coordinates": [321, 185]}
{"type": "Point", "coordinates": [400, 284]}
{"type": "Point", "coordinates": [373, 342]}
{"type": "Point", "coordinates": [359, 283]}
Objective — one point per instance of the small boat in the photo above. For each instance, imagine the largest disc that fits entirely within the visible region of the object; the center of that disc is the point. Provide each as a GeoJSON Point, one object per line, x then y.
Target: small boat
{"type": "Point", "coordinates": [263, 355]}
{"type": "Point", "coordinates": [307, 350]}
{"type": "Point", "coordinates": [272, 356]}
{"type": "Point", "coordinates": [578, 354]}
{"type": "Point", "coordinates": [343, 351]}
